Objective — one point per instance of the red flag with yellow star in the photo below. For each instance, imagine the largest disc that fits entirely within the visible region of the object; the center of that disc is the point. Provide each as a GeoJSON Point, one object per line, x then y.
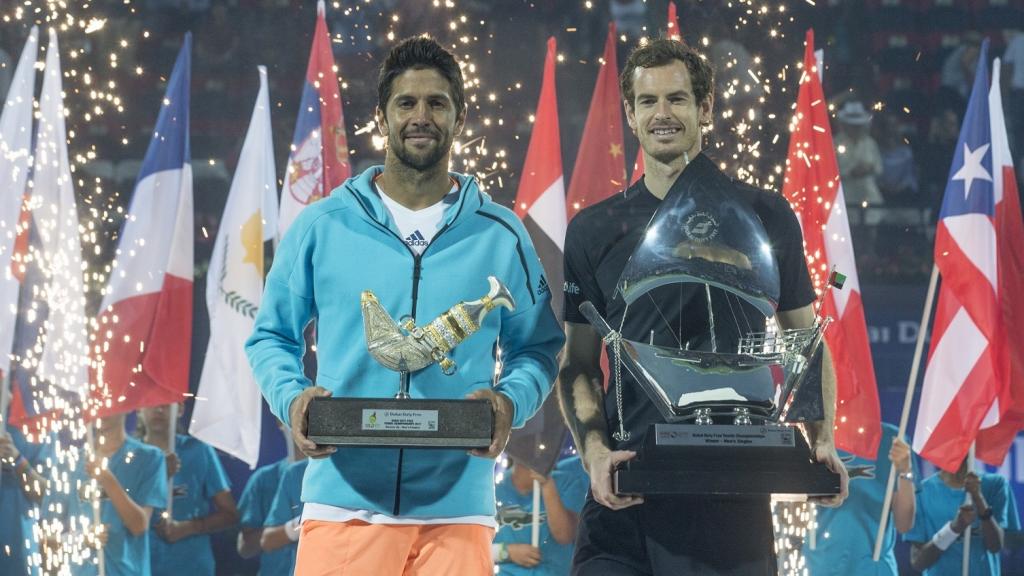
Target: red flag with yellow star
{"type": "Point", "coordinates": [600, 169]}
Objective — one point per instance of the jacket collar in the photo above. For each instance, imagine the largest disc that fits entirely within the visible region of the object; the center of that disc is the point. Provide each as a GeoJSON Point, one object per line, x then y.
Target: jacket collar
{"type": "Point", "coordinates": [360, 192]}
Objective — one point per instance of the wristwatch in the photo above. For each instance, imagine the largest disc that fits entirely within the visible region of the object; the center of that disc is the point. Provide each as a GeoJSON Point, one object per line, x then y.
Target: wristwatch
{"type": "Point", "coordinates": [907, 476]}
{"type": "Point", "coordinates": [502, 552]}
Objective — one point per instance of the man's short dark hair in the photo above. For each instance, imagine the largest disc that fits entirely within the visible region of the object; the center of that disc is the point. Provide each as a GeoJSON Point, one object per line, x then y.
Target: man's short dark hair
{"type": "Point", "coordinates": [418, 53]}
{"type": "Point", "coordinates": [662, 52]}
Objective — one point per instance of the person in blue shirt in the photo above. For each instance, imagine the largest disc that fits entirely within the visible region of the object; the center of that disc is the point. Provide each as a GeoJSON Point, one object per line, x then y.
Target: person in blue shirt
{"type": "Point", "coordinates": [281, 528]}
{"type": "Point", "coordinates": [182, 542]}
{"type": "Point", "coordinates": [21, 490]}
{"type": "Point", "coordinates": [562, 496]}
{"type": "Point", "coordinates": [845, 539]}
{"type": "Point", "coordinates": [254, 506]}
{"type": "Point", "coordinates": [132, 485]}
{"type": "Point", "coordinates": [948, 505]}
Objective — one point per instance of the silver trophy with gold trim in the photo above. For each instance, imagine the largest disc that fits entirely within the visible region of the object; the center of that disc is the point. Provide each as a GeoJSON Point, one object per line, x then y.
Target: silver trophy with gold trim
{"type": "Point", "coordinates": [404, 347]}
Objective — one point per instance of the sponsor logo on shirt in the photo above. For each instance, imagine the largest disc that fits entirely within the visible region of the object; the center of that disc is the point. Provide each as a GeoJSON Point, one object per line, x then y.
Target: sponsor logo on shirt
{"type": "Point", "coordinates": [415, 239]}
{"type": "Point", "coordinates": [543, 286]}
{"type": "Point", "coordinates": [517, 517]}
{"type": "Point", "coordinates": [570, 288]}
{"type": "Point", "coordinates": [180, 491]}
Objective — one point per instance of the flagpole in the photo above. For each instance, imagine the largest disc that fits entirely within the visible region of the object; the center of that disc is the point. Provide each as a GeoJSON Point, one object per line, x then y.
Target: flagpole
{"type": "Point", "coordinates": [966, 565]}
{"type": "Point", "coordinates": [5, 399]}
{"type": "Point", "coordinates": [172, 432]}
{"type": "Point", "coordinates": [535, 528]}
{"type": "Point", "coordinates": [908, 398]}
{"type": "Point", "coordinates": [97, 515]}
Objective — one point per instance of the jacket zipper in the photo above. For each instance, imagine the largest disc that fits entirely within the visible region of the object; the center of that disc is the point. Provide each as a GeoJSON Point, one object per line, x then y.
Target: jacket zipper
{"type": "Point", "coordinates": [417, 269]}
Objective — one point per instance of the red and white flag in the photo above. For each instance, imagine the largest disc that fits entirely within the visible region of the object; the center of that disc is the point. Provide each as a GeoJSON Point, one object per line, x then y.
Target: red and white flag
{"type": "Point", "coordinates": [144, 329]}
{"type": "Point", "coordinates": [994, 441]}
{"type": "Point", "coordinates": [540, 199]}
{"type": "Point", "coordinates": [600, 169]}
{"type": "Point", "coordinates": [318, 162]}
{"type": "Point", "coordinates": [968, 361]}
{"type": "Point", "coordinates": [813, 188]}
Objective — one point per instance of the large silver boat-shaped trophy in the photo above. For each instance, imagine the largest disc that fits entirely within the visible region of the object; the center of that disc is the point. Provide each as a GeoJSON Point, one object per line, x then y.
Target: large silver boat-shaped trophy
{"type": "Point", "coordinates": [729, 414]}
{"type": "Point", "coordinates": [402, 421]}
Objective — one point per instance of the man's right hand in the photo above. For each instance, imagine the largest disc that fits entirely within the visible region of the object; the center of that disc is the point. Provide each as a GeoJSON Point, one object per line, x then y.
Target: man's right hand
{"type": "Point", "coordinates": [964, 518]}
{"type": "Point", "coordinates": [297, 413]}
{"type": "Point", "coordinates": [524, 555]}
{"type": "Point", "coordinates": [600, 465]}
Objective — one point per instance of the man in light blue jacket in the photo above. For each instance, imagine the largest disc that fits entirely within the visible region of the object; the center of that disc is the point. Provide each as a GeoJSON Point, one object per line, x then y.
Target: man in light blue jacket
{"type": "Point", "coordinates": [421, 238]}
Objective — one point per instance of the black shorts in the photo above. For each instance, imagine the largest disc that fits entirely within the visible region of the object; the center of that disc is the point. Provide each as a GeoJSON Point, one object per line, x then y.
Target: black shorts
{"type": "Point", "coordinates": [673, 536]}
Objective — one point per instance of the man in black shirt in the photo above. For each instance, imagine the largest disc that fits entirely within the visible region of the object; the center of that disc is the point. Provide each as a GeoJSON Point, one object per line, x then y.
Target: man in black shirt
{"type": "Point", "coordinates": [668, 95]}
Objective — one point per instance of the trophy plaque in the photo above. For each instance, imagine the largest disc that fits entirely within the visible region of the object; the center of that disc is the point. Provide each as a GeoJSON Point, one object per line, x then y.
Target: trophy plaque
{"type": "Point", "coordinates": [728, 414]}
{"type": "Point", "coordinates": [403, 421]}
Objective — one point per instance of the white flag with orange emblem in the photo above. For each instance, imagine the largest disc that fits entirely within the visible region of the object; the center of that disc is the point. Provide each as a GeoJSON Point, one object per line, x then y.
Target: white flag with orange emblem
{"type": "Point", "coordinates": [228, 405]}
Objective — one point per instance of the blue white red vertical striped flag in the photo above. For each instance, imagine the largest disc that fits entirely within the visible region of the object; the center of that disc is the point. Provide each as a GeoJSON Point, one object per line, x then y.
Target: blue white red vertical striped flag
{"type": "Point", "coordinates": [145, 321]}
{"type": "Point", "coordinates": [318, 162]}
{"type": "Point", "coordinates": [228, 409]}
{"type": "Point", "coordinates": [968, 361]}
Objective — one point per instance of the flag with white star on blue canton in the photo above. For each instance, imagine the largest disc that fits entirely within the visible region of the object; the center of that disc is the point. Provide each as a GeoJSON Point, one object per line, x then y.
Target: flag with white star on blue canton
{"type": "Point", "coordinates": [968, 361]}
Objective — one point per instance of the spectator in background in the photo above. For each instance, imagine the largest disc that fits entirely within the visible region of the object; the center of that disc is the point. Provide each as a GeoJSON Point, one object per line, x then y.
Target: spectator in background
{"type": "Point", "coordinates": [181, 544]}
{"type": "Point", "coordinates": [562, 496]}
{"type": "Point", "coordinates": [959, 66]}
{"type": "Point", "coordinates": [898, 179]}
{"type": "Point", "coordinates": [132, 486]}
{"type": "Point", "coordinates": [936, 156]}
{"type": "Point", "coordinates": [1013, 90]}
{"type": "Point", "coordinates": [630, 17]}
{"type": "Point", "coordinates": [943, 514]}
{"type": "Point", "coordinates": [860, 162]}
{"type": "Point", "coordinates": [845, 539]}
{"type": "Point", "coordinates": [21, 491]}
{"type": "Point", "coordinates": [281, 528]}
{"type": "Point", "coordinates": [255, 505]}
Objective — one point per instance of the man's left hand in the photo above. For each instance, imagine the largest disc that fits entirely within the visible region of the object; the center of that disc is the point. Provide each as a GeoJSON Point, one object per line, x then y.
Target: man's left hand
{"type": "Point", "coordinates": [972, 485]}
{"type": "Point", "coordinates": [172, 530]}
{"type": "Point", "coordinates": [825, 452]}
{"type": "Point", "coordinates": [503, 413]}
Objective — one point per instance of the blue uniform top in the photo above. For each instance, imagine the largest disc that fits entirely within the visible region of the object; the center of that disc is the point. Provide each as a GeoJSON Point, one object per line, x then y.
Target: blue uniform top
{"type": "Point", "coordinates": [199, 478]}
{"type": "Point", "coordinates": [845, 539]}
{"type": "Point", "coordinates": [254, 507]}
{"type": "Point", "coordinates": [515, 514]}
{"type": "Point", "coordinates": [19, 552]}
{"type": "Point", "coordinates": [141, 470]}
{"type": "Point", "coordinates": [937, 504]}
{"type": "Point", "coordinates": [287, 505]}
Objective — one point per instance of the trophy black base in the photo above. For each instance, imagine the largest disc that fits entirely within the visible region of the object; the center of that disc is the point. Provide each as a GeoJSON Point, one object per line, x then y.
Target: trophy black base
{"type": "Point", "coordinates": [726, 460]}
{"type": "Point", "coordinates": [400, 423]}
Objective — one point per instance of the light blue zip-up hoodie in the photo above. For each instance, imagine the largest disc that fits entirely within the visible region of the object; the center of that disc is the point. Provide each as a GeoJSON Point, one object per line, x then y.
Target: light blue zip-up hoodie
{"type": "Point", "coordinates": [348, 243]}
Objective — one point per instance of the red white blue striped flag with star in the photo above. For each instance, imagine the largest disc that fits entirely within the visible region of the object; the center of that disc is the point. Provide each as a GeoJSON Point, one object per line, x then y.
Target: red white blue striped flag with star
{"type": "Point", "coordinates": [968, 360]}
